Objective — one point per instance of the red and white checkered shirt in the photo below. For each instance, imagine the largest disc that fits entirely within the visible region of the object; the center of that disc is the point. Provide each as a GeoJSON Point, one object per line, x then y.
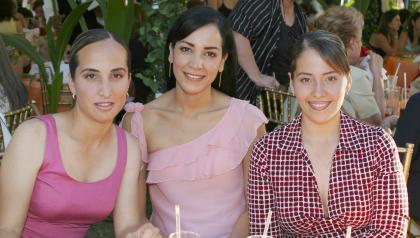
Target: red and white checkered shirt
{"type": "Point", "coordinates": [366, 188]}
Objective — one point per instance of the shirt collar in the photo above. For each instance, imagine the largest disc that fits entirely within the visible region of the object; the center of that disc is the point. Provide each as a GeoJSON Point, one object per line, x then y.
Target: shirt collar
{"type": "Point", "coordinates": [349, 137]}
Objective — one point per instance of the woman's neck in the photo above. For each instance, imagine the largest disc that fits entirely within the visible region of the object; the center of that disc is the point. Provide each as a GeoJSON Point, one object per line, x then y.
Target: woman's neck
{"type": "Point", "coordinates": [329, 131]}
{"type": "Point", "coordinates": [85, 130]}
{"type": "Point", "coordinates": [288, 11]}
{"type": "Point", "coordinates": [288, 5]}
{"type": "Point", "coordinates": [191, 105]}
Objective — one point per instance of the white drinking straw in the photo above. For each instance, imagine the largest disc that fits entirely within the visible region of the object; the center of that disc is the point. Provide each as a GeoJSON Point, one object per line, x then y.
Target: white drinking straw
{"type": "Point", "coordinates": [398, 68]}
{"type": "Point", "coordinates": [267, 224]}
{"type": "Point", "coordinates": [405, 87]}
{"type": "Point", "coordinates": [178, 221]}
{"type": "Point", "coordinates": [348, 232]}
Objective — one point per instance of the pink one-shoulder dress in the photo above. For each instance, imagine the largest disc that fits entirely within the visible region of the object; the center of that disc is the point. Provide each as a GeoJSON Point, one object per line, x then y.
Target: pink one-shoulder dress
{"type": "Point", "coordinates": [204, 176]}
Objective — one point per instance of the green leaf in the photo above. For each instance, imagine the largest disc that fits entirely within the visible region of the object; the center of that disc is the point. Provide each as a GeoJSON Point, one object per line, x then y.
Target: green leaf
{"type": "Point", "coordinates": [148, 81]}
{"type": "Point", "coordinates": [361, 5]}
{"type": "Point", "coordinates": [24, 46]}
{"type": "Point", "coordinates": [54, 91]}
{"type": "Point", "coordinates": [82, 21]}
{"type": "Point", "coordinates": [52, 47]}
{"type": "Point", "coordinates": [67, 29]}
{"type": "Point", "coordinates": [120, 18]}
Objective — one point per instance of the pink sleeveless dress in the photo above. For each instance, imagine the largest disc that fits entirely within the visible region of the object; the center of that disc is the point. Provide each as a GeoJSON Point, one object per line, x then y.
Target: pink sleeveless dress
{"type": "Point", "coordinates": [63, 207]}
{"type": "Point", "coordinates": [203, 176]}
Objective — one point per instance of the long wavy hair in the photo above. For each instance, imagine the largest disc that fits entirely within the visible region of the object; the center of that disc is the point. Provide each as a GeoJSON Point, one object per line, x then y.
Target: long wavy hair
{"type": "Point", "coordinates": [385, 20]}
{"type": "Point", "coordinates": [412, 20]}
{"type": "Point", "coordinates": [13, 87]}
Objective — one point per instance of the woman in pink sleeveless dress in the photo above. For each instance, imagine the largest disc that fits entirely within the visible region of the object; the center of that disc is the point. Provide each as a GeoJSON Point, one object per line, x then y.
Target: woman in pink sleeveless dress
{"type": "Point", "coordinates": [198, 135]}
{"type": "Point", "coordinates": [63, 172]}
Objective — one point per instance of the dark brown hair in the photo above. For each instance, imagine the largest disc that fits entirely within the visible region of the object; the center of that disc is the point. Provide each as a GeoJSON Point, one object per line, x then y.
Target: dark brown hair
{"type": "Point", "coordinates": [89, 37]}
{"type": "Point", "coordinates": [329, 47]}
{"type": "Point", "coordinates": [190, 21]}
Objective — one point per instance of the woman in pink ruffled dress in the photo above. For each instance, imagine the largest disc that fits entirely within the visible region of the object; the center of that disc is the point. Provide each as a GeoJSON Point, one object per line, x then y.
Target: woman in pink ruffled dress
{"type": "Point", "coordinates": [198, 135]}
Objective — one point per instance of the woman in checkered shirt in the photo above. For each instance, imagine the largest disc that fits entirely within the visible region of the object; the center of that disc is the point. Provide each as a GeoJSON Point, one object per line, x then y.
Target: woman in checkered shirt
{"type": "Point", "coordinates": [324, 171]}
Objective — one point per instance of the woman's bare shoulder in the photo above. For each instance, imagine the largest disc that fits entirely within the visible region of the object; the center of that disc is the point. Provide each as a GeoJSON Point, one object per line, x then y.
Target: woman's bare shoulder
{"type": "Point", "coordinates": [33, 128]}
{"type": "Point", "coordinates": [31, 136]}
{"type": "Point", "coordinates": [376, 38]}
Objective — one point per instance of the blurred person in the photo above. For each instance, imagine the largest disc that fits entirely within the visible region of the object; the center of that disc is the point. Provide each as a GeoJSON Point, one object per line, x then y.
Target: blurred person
{"type": "Point", "coordinates": [386, 41]}
{"type": "Point", "coordinates": [198, 139]}
{"type": "Point", "coordinates": [411, 37]}
{"type": "Point", "coordinates": [13, 94]}
{"type": "Point", "coordinates": [38, 9]}
{"type": "Point", "coordinates": [93, 16]}
{"type": "Point", "coordinates": [365, 100]}
{"type": "Point", "coordinates": [223, 6]}
{"type": "Point", "coordinates": [23, 10]}
{"type": "Point", "coordinates": [265, 31]}
{"type": "Point", "coordinates": [10, 22]}
{"type": "Point", "coordinates": [325, 172]}
{"type": "Point", "coordinates": [408, 131]}
{"type": "Point", "coordinates": [77, 167]}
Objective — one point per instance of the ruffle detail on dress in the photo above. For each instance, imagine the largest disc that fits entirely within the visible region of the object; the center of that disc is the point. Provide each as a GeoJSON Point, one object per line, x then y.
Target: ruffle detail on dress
{"type": "Point", "coordinates": [217, 151]}
{"type": "Point", "coordinates": [137, 127]}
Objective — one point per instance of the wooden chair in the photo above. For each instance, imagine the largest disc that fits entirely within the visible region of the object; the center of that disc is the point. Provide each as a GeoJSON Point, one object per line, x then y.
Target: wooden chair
{"type": "Point", "coordinates": [276, 105]}
{"type": "Point", "coordinates": [413, 229]}
{"type": "Point", "coordinates": [407, 153]}
{"type": "Point", "coordinates": [16, 117]}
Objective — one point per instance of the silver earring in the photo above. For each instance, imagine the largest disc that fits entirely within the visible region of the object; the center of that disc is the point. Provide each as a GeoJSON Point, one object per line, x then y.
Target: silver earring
{"type": "Point", "coordinates": [170, 70]}
{"type": "Point", "coordinates": [127, 96]}
{"type": "Point", "coordinates": [73, 95]}
{"type": "Point", "coordinates": [220, 79]}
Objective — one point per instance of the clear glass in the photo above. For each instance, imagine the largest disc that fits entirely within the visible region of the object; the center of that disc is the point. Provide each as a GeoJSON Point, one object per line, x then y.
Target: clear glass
{"type": "Point", "coordinates": [391, 82]}
{"type": "Point", "coordinates": [185, 234]}
{"type": "Point", "coordinates": [392, 101]}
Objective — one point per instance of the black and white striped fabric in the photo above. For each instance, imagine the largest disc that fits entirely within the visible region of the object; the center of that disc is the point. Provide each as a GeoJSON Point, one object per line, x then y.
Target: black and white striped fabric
{"type": "Point", "coordinates": [259, 21]}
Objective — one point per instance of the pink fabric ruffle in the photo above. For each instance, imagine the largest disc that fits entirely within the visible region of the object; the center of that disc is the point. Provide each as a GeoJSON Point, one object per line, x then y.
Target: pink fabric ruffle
{"type": "Point", "coordinates": [137, 127]}
{"type": "Point", "coordinates": [219, 150]}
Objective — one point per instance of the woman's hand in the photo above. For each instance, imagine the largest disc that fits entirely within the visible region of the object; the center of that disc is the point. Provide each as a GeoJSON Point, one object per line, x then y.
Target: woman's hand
{"type": "Point", "coordinates": [147, 230]}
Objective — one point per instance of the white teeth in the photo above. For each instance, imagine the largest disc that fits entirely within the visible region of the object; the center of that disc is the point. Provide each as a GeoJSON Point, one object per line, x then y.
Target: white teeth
{"type": "Point", "coordinates": [319, 105]}
{"type": "Point", "coordinates": [194, 76]}
{"type": "Point", "coordinates": [104, 104]}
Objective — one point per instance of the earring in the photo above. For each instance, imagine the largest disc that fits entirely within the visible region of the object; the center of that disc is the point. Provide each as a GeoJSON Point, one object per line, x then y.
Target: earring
{"type": "Point", "coordinates": [220, 79]}
{"type": "Point", "coordinates": [170, 70]}
{"type": "Point", "coordinates": [73, 95]}
{"type": "Point", "coordinates": [127, 96]}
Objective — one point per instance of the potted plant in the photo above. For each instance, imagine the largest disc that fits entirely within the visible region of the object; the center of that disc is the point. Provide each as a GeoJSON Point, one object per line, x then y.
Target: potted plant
{"type": "Point", "coordinates": [56, 48]}
{"type": "Point", "coordinates": [118, 16]}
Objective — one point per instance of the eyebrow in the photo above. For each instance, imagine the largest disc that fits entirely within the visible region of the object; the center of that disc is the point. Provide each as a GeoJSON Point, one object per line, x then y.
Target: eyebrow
{"type": "Point", "coordinates": [95, 70]}
{"type": "Point", "coordinates": [308, 74]}
{"type": "Point", "coordinates": [207, 47]}
{"type": "Point", "coordinates": [118, 69]}
{"type": "Point", "coordinates": [88, 70]}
